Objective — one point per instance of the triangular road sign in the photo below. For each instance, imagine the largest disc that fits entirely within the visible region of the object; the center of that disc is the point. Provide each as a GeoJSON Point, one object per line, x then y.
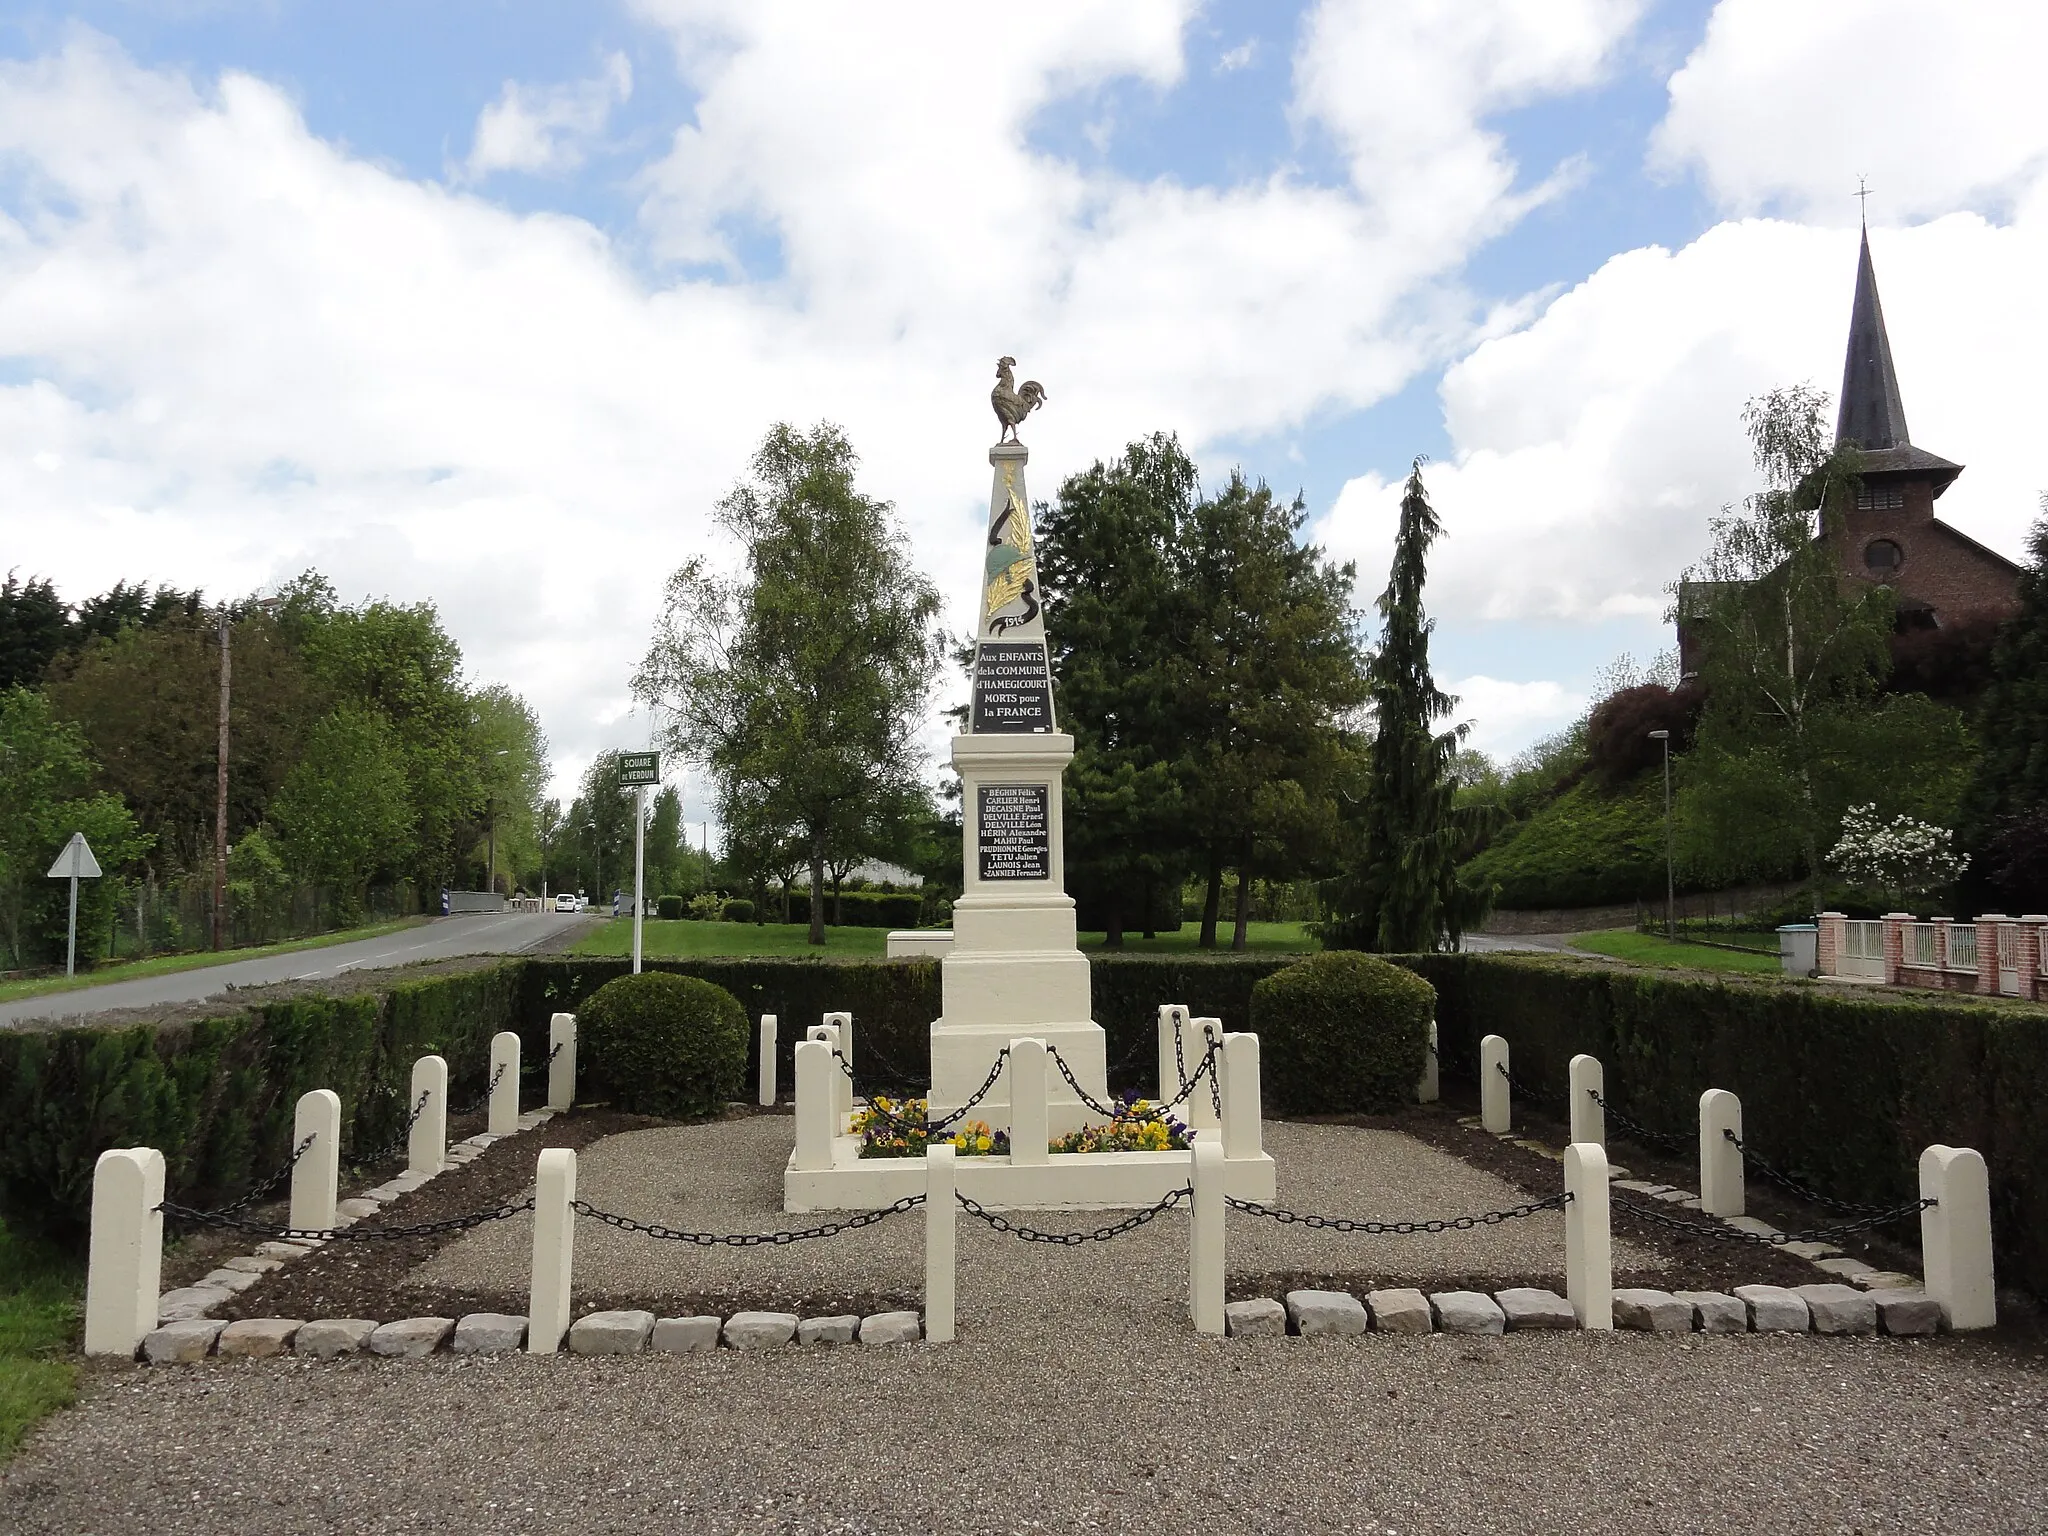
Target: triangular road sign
{"type": "Point", "coordinates": [76, 861]}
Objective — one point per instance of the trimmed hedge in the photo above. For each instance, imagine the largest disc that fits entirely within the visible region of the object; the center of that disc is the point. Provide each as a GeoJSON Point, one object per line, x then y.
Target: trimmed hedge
{"type": "Point", "coordinates": [670, 909]}
{"type": "Point", "coordinates": [1342, 1031]}
{"type": "Point", "coordinates": [1845, 1090]}
{"type": "Point", "coordinates": [861, 909]}
{"type": "Point", "coordinates": [661, 1044]}
{"type": "Point", "coordinates": [218, 1095]}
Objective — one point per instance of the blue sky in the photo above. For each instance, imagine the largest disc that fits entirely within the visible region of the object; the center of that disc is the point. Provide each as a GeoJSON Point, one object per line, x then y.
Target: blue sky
{"type": "Point", "coordinates": [436, 280]}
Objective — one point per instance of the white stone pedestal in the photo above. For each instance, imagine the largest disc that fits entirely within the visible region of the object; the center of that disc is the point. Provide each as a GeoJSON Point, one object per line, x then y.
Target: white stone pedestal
{"type": "Point", "coordinates": [1014, 967]}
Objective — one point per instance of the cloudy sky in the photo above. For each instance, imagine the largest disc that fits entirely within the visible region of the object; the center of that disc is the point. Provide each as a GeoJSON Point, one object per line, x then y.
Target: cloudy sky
{"type": "Point", "coordinates": [488, 302]}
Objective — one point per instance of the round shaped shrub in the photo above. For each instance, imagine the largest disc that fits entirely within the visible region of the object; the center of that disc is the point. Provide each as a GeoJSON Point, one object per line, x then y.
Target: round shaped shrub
{"type": "Point", "coordinates": [663, 1045]}
{"type": "Point", "coordinates": [669, 908]}
{"type": "Point", "coordinates": [1341, 1032]}
{"type": "Point", "coordinates": [738, 910]}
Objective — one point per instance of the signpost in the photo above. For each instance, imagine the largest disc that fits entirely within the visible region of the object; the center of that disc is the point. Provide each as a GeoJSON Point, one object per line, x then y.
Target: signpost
{"type": "Point", "coordinates": [637, 770]}
{"type": "Point", "coordinates": [75, 863]}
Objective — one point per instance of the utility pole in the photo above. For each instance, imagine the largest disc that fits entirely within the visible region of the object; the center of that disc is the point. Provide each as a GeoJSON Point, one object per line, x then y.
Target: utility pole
{"type": "Point", "coordinates": [220, 799]}
{"type": "Point", "coordinates": [1670, 924]}
{"type": "Point", "coordinates": [639, 869]}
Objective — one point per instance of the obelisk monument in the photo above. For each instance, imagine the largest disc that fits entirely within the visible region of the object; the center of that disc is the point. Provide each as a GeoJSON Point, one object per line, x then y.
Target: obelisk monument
{"type": "Point", "coordinates": [1014, 969]}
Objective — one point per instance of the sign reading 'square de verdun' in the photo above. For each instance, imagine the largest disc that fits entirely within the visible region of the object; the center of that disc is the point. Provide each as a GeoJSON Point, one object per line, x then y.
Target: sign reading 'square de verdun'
{"type": "Point", "coordinates": [1014, 832]}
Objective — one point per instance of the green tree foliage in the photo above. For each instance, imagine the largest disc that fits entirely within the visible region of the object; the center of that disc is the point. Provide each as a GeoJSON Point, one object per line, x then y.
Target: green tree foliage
{"type": "Point", "coordinates": [511, 754]}
{"type": "Point", "coordinates": [343, 812]}
{"type": "Point", "coordinates": [1106, 563]}
{"type": "Point", "coordinates": [669, 866]}
{"type": "Point", "coordinates": [34, 623]}
{"type": "Point", "coordinates": [599, 831]}
{"type": "Point", "coordinates": [801, 684]}
{"type": "Point", "coordinates": [48, 772]}
{"type": "Point", "coordinates": [1268, 672]}
{"type": "Point", "coordinates": [1404, 895]}
{"type": "Point", "coordinates": [2005, 823]}
{"type": "Point", "coordinates": [1793, 659]}
{"type": "Point", "coordinates": [147, 697]}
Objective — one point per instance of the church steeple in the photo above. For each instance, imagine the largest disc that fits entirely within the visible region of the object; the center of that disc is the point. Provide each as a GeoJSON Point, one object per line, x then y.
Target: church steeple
{"type": "Point", "coordinates": [1872, 415]}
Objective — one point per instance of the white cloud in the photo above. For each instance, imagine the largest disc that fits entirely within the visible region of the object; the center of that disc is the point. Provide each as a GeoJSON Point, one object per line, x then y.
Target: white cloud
{"type": "Point", "coordinates": [547, 130]}
{"type": "Point", "coordinates": [1507, 716]}
{"type": "Point", "coordinates": [251, 351]}
{"type": "Point", "coordinates": [1785, 105]}
{"type": "Point", "coordinates": [1593, 444]}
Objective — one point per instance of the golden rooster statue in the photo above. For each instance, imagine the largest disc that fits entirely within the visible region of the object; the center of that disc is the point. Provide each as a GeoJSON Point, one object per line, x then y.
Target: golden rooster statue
{"type": "Point", "coordinates": [1012, 404]}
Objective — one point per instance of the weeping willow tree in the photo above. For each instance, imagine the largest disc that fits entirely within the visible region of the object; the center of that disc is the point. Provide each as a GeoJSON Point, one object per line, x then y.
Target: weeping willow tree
{"type": "Point", "coordinates": [1403, 893]}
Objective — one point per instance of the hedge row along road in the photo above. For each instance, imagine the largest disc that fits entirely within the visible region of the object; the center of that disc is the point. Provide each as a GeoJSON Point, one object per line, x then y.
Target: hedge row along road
{"type": "Point", "coordinates": [509, 933]}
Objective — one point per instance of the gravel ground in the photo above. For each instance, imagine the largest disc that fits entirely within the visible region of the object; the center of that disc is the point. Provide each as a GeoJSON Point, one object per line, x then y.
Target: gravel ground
{"type": "Point", "coordinates": [1075, 1399]}
{"type": "Point", "coordinates": [727, 1177]}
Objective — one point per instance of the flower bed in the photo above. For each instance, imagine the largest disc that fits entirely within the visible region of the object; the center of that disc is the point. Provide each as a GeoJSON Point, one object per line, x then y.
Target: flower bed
{"type": "Point", "coordinates": [897, 1128]}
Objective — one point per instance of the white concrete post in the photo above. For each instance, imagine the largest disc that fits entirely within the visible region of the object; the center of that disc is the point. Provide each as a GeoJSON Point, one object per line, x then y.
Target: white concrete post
{"type": "Point", "coordinates": [1200, 1110]}
{"type": "Point", "coordinates": [427, 1147]}
{"type": "Point", "coordinates": [125, 1259]}
{"type": "Point", "coordinates": [767, 1074]}
{"type": "Point", "coordinates": [1955, 1235]}
{"type": "Point", "coordinates": [1426, 1090]}
{"type": "Point", "coordinates": [1587, 1087]}
{"type": "Point", "coordinates": [1495, 1112]}
{"type": "Point", "coordinates": [1721, 1173]}
{"type": "Point", "coordinates": [844, 1022]}
{"type": "Point", "coordinates": [815, 1120]}
{"type": "Point", "coordinates": [504, 1107]}
{"type": "Point", "coordinates": [562, 1069]}
{"type": "Point", "coordinates": [1588, 1239]}
{"type": "Point", "coordinates": [317, 1173]}
{"type": "Point", "coordinates": [1242, 1132]}
{"type": "Point", "coordinates": [1030, 1133]}
{"type": "Point", "coordinates": [1205, 1232]}
{"type": "Point", "coordinates": [554, 1251]}
{"type": "Point", "coordinates": [1173, 1018]}
{"type": "Point", "coordinates": [828, 1034]}
{"type": "Point", "coordinates": [939, 1242]}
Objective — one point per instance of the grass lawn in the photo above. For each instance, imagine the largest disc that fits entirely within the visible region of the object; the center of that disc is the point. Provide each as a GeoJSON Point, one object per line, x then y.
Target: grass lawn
{"type": "Point", "coordinates": [40, 1294]}
{"type": "Point", "coordinates": [1260, 939]}
{"type": "Point", "coordinates": [1647, 949]}
{"type": "Point", "coordinates": [677, 939]}
{"type": "Point", "coordinates": [685, 937]}
{"type": "Point", "coordinates": [164, 965]}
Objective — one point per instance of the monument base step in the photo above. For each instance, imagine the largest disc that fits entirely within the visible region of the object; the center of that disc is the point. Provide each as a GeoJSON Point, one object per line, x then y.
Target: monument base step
{"type": "Point", "coordinates": [1072, 1181]}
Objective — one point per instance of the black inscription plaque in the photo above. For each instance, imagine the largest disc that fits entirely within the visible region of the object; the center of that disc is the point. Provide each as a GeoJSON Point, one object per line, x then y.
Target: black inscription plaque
{"type": "Point", "coordinates": [1015, 834]}
{"type": "Point", "coordinates": [1012, 687]}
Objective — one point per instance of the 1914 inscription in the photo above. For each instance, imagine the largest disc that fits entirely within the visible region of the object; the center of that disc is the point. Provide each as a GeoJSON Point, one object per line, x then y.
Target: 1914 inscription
{"type": "Point", "coordinates": [1014, 832]}
{"type": "Point", "coordinates": [1012, 687]}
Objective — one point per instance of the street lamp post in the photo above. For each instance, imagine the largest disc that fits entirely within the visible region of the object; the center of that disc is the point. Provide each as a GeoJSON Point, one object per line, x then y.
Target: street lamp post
{"type": "Point", "coordinates": [1670, 925]}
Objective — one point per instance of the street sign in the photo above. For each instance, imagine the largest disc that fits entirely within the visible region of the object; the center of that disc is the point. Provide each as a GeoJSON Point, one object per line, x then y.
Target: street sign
{"type": "Point", "coordinates": [636, 768]}
{"type": "Point", "coordinates": [76, 861]}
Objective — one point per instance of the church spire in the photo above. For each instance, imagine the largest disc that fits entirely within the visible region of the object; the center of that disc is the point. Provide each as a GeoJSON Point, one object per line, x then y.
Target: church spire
{"type": "Point", "coordinates": [1872, 415]}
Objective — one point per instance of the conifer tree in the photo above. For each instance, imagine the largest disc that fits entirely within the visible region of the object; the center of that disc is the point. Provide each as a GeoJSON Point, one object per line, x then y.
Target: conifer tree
{"type": "Point", "coordinates": [1403, 895]}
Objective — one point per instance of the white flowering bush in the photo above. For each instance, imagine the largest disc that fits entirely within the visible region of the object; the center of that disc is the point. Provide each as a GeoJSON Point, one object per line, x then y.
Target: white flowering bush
{"type": "Point", "coordinates": [1896, 855]}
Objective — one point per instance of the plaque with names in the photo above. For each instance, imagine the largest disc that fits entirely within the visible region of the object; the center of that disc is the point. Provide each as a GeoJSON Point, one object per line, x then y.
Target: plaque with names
{"type": "Point", "coordinates": [1014, 832]}
{"type": "Point", "coordinates": [1012, 687]}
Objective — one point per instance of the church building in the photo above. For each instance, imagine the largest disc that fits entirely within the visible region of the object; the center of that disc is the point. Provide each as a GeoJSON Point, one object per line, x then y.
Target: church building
{"type": "Point", "coordinates": [1944, 579]}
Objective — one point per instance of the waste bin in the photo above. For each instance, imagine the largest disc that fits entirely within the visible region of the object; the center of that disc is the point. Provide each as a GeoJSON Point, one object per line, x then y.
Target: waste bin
{"type": "Point", "coordinates": [1799, 949]}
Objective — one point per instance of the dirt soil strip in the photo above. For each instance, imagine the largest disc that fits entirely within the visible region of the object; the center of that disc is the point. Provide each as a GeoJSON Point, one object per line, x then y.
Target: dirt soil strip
{"type": "Point", "coordinates": [370, 1278]}
{"type": "Point", "coordinates": [1706, 1263]}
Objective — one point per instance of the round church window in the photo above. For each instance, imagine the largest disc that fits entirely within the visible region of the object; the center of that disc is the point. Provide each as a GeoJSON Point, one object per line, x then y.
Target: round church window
{"type": "Point", "coordinates": [1883, 558]}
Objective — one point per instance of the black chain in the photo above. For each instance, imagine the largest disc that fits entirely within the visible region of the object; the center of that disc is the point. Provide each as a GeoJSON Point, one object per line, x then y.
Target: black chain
{"type": "Point", "coordinates": [1636, 1130]}
{"type": "Point", "coordinates": [484, 1098]}
{"type": "Point", "coordinates": [391, 1147]}
{"type": "Point", "coordinates": [1206, 1067]}
{"type": "Point", "coordinates": [343, 1234]}
{"type": "Point", "coordinates": [745, 1239]}
{"type": "Point", "coordinates": [1805, 1192]}
{"type": "Point", "coordinates": [1074, 1239]}
{"type": "Point", "coordinates": [890, 1070]}
{"type": "Point", "coordinates": [541, 1066]}
{"type": "Point", "coordinates": [973, 1098]}
{"type": "Point", "coordinates": [1400, 1228]}
{"type": "Point", "coordinates": [1656, 1216]}
{"type": "Point", "coordinates": [257, 1192]}
{"type": "Point", "coordinates": [1112, 1111]}
{"type": "Point", "coordinates": [1532, 1095]}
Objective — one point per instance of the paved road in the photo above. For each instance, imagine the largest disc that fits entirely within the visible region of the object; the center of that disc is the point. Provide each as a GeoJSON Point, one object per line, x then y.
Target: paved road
{"type": "Point", "coordinates": [482, 934]}
{"type": "Point", "coordinates": [1490, 943]}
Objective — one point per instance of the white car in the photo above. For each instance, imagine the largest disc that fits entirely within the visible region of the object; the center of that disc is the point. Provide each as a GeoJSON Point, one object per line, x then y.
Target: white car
{"type": "Point", "coordinates": [566, 902]}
